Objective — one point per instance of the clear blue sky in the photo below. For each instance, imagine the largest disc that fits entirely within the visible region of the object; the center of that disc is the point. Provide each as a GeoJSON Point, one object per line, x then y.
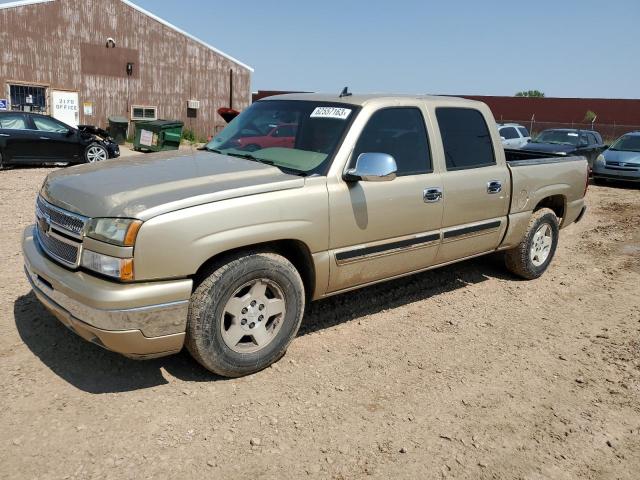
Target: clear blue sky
{"type": "Point", "coordinates": [570, 48]}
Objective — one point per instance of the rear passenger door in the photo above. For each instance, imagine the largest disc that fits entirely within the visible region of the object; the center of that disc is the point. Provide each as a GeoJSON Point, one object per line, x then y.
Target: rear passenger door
{"type": "Point", "coordinates": [476, 189]}
{"type": "Point", "coordinates": [382, 229]}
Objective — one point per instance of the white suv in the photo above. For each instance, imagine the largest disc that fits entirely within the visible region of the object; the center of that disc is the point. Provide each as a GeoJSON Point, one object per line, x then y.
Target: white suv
{"type": "Point", "coordinates": [513, 135]}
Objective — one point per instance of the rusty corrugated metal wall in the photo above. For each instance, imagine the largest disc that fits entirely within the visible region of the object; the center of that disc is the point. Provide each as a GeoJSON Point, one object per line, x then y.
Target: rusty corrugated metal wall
{"type": "Point", "coordinates": [62, 45]}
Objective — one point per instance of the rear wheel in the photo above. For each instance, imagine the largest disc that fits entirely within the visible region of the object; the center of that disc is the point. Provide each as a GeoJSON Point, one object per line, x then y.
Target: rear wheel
{"type": "Point", "coordinates": [95, 153]}
{"type": "Point", "coordinates": [245, 313]}
{"type": "Point", "coordinates": [534, 253]}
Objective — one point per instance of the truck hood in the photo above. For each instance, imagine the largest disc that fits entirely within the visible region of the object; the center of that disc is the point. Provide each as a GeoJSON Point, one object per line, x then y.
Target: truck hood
{"type": "Point", "coordinates": [622, 156]}
{"type": "Point", "coordinates": [549, 148]}
{"type": "Point", "coordinates": [145, 186]}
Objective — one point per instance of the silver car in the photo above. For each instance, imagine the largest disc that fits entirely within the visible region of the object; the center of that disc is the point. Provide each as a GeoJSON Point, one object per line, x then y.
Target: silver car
{"type": "Point", "coordinates": [513, 135]}
{"type": "Point", "coordinates": [621, 161]}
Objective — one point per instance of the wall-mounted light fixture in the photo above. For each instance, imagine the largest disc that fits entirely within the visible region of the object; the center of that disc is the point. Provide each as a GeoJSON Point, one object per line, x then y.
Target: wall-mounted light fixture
{"type": "Point", "coordinates": [129, 69]}
{"type": "Point", "coordinates": [111, 43]}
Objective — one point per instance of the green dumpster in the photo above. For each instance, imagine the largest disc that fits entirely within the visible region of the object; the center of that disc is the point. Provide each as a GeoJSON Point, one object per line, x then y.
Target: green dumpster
{"type": "Point", "coordinates": [118, 127]}
{"type": "Point", "coordinates": [158, 135]}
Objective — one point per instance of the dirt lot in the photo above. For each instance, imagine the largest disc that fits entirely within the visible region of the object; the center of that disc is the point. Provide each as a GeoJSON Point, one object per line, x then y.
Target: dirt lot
{"type": "Point", "coordinates": [464, 372]}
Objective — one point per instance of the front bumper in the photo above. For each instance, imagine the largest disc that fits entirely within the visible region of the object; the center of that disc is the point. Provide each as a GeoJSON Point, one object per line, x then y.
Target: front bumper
{"type": "Point", "coordinates": [140, 320]}
{"type": "Point", "coordinates": [627, 174]}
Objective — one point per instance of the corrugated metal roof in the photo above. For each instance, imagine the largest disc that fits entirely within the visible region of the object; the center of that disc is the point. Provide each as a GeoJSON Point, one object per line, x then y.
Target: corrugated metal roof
{"type": "Point", "coordinates": [148, 14]}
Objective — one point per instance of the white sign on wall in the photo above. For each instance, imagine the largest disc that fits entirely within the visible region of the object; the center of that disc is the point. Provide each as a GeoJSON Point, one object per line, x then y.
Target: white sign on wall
{"type": "Point", "coordinates": [65, 107]}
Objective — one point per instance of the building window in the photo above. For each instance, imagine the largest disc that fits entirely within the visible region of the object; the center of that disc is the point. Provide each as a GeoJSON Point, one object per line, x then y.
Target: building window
{"type": "Point", "coordinates": [28, 98]}
{"type": "Point", "coordinates": [139, 112]}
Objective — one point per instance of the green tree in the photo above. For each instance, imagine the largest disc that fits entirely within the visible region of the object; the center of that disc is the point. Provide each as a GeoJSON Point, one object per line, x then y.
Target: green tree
{"type": "Point", "coordinates": [530, 93]}
{"type": "Point", "coordinates": [590, 116]}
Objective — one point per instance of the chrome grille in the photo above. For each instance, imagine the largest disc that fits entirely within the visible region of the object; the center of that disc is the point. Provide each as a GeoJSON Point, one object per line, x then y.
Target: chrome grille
{"type": "Point", "coordinates": [68, 221]}
{"type": "Point", "coordinates": [62, 251]}
{"type": "Point", "coordinates": [59, 233]}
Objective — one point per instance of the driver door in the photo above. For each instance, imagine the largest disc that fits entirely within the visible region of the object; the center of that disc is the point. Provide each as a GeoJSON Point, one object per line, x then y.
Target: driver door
{"type": "Point", "coordinates": [387, 228]}
{"type": "Point", "coordinates": [54, 141]}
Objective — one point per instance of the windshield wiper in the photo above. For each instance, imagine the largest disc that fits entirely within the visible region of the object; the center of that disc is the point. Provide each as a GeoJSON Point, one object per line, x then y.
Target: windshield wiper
{"type": "Point", "coordinates": [248, 156]}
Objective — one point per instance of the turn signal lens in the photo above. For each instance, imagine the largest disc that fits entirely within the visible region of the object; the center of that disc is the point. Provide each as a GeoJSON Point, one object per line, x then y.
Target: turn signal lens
{"type": "Point", "coordinates": [118, 268]}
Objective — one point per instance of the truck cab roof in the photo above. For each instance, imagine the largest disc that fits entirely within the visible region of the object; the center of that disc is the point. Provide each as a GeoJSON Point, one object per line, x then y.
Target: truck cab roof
{"type": "Point", "coordinates": [373, 98]}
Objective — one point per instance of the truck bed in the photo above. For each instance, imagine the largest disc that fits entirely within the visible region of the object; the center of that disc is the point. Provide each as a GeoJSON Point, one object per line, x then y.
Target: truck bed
{"type": "Point", "coordinates": [517, 158]}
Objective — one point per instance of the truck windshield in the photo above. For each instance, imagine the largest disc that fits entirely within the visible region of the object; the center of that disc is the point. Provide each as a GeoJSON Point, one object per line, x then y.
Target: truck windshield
{"type": "Point", "coordinates": [627, 143]}
{"type": "Point", "coordinates": [297, 135]}
{"type": "Point", "coordinates": [558, 136]}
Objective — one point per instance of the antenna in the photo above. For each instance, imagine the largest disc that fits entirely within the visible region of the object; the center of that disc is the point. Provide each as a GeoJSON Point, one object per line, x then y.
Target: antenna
{"type": "Point", "coordinates": [345, 92]}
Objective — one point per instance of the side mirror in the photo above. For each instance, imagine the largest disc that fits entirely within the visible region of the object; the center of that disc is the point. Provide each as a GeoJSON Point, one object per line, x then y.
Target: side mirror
{"type": "Point", "coordinates": [502, 138]}
{"type": "Point", "coordinates": [70, 132]}
{"type": "Point", "coordinates": [373, 167]}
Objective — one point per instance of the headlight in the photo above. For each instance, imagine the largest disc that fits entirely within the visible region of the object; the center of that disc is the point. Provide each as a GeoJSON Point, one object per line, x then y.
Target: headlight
{"type": "Point", "coordinates": [120, 268]}
{"type": "Point", "coordinates": [118, 231]}
{"type": "Point", "coordinates": [600, 159]}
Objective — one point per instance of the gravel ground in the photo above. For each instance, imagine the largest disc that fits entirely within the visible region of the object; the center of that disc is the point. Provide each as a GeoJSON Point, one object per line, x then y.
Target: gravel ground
{"type": "Point", "coordinates": [464, 372]}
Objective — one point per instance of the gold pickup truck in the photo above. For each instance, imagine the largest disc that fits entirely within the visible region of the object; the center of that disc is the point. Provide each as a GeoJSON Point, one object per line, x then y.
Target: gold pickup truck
{"type": "Point", "coordinates": [298, 198]}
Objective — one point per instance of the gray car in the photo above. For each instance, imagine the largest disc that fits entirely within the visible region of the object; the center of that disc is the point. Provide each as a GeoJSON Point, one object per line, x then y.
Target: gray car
{"type": "Point", "coordinates": [621, 161]}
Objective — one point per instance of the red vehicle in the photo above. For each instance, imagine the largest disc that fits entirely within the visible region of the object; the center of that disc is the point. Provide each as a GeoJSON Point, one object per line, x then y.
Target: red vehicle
{"type": "Point", "coordinates": [281, 136]}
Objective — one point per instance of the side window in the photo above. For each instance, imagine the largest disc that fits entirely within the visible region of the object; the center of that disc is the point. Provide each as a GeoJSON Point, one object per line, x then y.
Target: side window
{"type": "Point", "coordinates": [592, 139]}
{"type": "Point", "coordinates": [46, 124]}
{"type": "Point", "coordinates": [524, 132]}
{"type": "Point", "coordinates": [12, 122]}
{"type": "Point", "coordinates": [465, 137]}
{"type": "Point", "coordinates": [401, 133]}
{"type": "Point", "coordinates": [508, 133]}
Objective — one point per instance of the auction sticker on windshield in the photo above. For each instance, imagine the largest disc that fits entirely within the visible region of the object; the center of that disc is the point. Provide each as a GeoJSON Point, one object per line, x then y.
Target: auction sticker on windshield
{"type": "Point", "coordinates": [331, 112]}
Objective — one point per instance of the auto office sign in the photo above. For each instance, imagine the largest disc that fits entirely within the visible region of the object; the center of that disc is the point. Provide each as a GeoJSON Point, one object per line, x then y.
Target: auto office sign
{"type": "Point", "coordinates": [66, 107]}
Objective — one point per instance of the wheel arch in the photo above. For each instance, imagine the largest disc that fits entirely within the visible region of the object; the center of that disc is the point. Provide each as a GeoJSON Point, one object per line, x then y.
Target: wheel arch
{"type": "Point", "coordinates": [557, 203]}
{"type": "Point", "coordinates": [296, 251]}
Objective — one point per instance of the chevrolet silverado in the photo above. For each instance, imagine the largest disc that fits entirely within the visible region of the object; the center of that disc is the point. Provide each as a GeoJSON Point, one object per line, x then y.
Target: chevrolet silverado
{"type": "Point", "coordinates": [220, 250]}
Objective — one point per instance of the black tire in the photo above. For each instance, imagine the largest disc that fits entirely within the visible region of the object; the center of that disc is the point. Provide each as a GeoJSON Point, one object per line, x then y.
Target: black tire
{"type": "Point", "coordinates": [519, 259]}
{"type": "Point", "coordinates": [1, 164]}
{"type": "Point", "coordinates": [95, 153]}
{"type": "Point", "coordinates": [207, 318]}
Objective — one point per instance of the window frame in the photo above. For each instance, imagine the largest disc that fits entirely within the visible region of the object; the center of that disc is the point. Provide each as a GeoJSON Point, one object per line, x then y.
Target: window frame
{"type": "Point", "coordinates": [472, 167]}
{"type": "Point", "coordinates": [352, 161]}
{"type": "Point", "coordinates": [143, 118]}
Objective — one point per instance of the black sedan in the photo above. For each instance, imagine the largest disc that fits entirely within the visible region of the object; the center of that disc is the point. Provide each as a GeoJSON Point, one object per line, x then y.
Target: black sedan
{"type": "Point", "coordinates": [30, 138]}
{"type": "Point", "coordinates": [568, 141]}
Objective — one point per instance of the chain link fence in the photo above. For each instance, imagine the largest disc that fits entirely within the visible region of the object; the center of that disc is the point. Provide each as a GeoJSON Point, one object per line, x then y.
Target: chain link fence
{"type": "Point", "coordinates": [609, 131]}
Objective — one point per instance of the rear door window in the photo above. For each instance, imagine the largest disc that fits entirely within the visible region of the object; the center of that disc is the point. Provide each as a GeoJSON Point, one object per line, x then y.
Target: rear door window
{"type": "Point", "coordinates": [465, 137]}
{"type": "Point", "coordinates": [399, 132]}
{"type": "Point", "coordinates": [13, 122]}
{"type": "Point", "coordinates": [509, 133]}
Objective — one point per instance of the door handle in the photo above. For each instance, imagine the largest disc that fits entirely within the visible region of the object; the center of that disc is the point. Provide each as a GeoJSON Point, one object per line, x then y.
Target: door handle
{"type": "Point", "coordinates": [432, 194]}
{"type": "Point", "coordinates": [4, 135]}
{"type": "Point", "coordinates": [44, 138]}
{"type": "Point", "coordinates": [494, 186]}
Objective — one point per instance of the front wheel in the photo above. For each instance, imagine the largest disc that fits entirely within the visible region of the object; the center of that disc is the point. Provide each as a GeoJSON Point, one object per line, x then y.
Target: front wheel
{"type": "Point", "coordinates": [245, 313]}
{"type": "Point", "coordinates": [534, 253]}
{"type": "Point", "coordinates": [95, 153]}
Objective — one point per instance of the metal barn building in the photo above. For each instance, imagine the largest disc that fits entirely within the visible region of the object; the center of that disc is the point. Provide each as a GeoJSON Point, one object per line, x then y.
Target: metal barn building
{"type": "Point", "coordinates": [83, 61]}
